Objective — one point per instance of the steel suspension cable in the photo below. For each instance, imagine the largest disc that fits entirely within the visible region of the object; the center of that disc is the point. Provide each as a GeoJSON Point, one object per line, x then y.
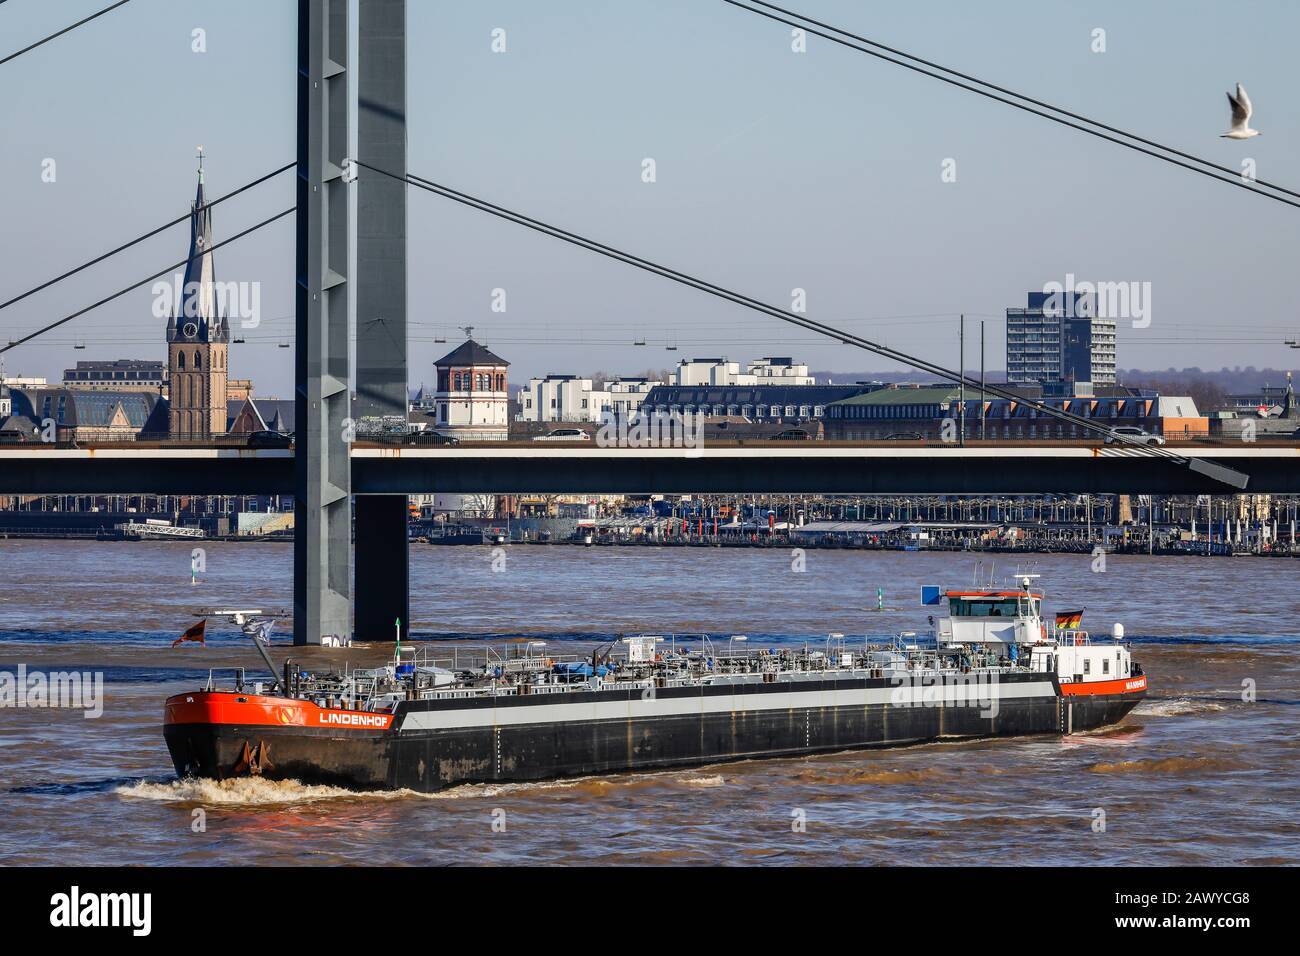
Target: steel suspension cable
{"type": "Point", "coordinates": [67, 29]}
{"type": "Point", "coordinates": [135, 285]}
{"type": "Point", "coordinates": [148, 235]}
{"type": "Point", "coordinates": [847, 338]}
{"type": "Point", "coordinates": [1232, 180]}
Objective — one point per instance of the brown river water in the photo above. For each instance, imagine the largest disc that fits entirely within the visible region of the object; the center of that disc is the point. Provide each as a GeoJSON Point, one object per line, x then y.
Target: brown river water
{"type": "Point", "coordinates": [1195, 775]}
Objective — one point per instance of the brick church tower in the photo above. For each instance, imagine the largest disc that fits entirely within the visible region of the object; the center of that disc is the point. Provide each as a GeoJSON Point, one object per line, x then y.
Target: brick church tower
{"type": "Point", "coordinates": [198, 338]}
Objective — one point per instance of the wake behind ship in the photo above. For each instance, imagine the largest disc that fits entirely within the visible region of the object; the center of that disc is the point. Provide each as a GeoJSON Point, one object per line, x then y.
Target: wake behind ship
{"type": "Point", "coordinates": [989, 668]}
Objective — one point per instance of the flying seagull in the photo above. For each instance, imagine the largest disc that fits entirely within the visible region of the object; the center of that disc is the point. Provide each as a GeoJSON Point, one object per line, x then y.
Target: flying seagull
{"type": "Point", "coordinates": [1241, 112]}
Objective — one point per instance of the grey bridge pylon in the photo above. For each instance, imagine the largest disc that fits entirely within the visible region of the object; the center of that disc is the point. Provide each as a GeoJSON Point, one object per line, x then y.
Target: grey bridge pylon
{"type": "Point", "coordinates": [326, 593]}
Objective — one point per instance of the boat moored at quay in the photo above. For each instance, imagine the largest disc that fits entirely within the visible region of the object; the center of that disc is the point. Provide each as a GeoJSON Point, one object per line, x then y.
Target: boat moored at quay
{"type": "Point", "coordinates": [991, 666]}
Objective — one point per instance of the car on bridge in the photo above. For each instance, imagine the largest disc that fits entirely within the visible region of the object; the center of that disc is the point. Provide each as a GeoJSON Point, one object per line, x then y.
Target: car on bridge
{"type": "Point", "coordinates": [269, 439]}
{"type": "Point", "coordinates": [564, 434]}
{"type": "Point", "coordinates": [1132, 435]}
{"type": "Point", "coordinates": [427, 437]}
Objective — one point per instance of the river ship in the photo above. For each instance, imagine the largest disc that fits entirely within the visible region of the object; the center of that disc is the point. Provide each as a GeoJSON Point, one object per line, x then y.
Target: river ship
{"type": "Point", "coordinates": [990, 665]}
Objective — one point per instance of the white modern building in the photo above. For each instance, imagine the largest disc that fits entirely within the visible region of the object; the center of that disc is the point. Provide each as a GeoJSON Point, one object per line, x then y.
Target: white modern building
{"type": "Point", "coordinates": [779, 370]}
{"type": "Point", "coordinates": [24, 381]}
{"type": "Point", "coordinates": [770, 370]}
{"type": "Point", "coordinates": [568, 398]}
{"type": "Point", "coordinates": [472, 402]}
{"type": "Point", "coordinates": [627, 394]}
{"type": "Point", "coordinates": [562, 398]}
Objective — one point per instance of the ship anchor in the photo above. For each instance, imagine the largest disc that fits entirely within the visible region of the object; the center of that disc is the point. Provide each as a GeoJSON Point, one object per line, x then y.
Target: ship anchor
{"type": "Point", "coordinates": [254, 760]}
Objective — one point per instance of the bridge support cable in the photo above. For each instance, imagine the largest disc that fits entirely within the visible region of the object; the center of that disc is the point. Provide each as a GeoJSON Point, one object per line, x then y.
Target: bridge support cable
{"type": "Point", "coordinates": [67, 29]}
{"type": "Point", "coordinates": [148, 235]}
{"type": "Point", "coordinates": [1019, 101]}
{"type": "Point", "coordinates": [1122, 445]}
{"type": "Point", "coordinates": [13, 344]}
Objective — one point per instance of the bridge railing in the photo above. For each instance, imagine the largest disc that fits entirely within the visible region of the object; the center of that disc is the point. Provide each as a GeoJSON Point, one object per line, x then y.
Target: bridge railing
{"type": "Point", "coordinates": [94, 438]}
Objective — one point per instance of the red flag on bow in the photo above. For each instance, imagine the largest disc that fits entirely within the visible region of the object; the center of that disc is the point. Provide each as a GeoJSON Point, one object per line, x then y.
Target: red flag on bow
{"type": "Point", "coordinates": [193, 633]}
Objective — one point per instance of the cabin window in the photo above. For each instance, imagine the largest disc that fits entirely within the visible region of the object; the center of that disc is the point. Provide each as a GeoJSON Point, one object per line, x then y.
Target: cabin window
{"type": "Point", "coordinates": [991, 607]}
{"type": "Point", "coordinates": [1087, 665]}
{"type": "Point", "coordinates": [1105, 667]}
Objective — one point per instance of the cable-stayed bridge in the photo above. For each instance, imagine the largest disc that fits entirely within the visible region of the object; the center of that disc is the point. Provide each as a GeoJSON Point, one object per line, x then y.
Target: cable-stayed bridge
{"type": "Point", "coordinates": [339, 485]}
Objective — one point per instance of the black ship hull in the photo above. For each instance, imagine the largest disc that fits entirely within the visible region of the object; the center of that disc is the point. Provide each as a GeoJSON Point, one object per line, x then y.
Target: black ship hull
{"type": "Point", "coordinates": [434, 744]}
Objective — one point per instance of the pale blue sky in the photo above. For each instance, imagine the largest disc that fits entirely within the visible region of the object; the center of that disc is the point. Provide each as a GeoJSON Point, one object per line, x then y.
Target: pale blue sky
{"type": "Point", "coordinates": [775, 171]}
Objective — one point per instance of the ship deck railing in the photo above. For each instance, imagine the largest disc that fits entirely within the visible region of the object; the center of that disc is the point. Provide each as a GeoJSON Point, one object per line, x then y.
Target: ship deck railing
{"type": "Point", "coordinates": [642, 685]}
{"type": "Point", "coordinates": [237, 672]}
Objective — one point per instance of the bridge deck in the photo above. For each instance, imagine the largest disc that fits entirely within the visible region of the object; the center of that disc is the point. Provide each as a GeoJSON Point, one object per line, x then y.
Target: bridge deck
{"type": "Point", "coordinates": [764, 467]}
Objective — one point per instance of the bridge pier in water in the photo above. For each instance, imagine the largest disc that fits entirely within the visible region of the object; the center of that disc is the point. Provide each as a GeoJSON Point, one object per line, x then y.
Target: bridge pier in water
{"type": "Point", "coordinates": [381, 592]}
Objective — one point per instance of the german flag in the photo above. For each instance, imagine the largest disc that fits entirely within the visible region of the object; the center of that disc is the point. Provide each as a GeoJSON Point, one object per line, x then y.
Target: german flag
{"type": "Point", "coordinates": [1068, 620]}
{"type": "Point", "coordinates": [193, 633]}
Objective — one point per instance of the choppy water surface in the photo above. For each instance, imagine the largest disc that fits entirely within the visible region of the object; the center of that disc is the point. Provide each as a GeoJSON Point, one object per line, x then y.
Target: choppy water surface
{"type": "Point", "coordinates": [1194, 776]}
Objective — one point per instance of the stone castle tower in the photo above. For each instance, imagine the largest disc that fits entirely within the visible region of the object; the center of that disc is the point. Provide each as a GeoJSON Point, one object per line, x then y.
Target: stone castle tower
{"type": "Point", "coordinates": [198, 338]}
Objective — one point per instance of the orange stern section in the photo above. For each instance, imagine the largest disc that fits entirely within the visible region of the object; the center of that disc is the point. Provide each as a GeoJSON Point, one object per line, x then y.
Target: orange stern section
{"type": "Point", "coordinates": [252, 710]}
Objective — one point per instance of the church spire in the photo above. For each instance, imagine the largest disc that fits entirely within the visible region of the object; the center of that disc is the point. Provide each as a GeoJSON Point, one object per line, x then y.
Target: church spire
{"type": "Point", "coordinates": [197, 311]}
